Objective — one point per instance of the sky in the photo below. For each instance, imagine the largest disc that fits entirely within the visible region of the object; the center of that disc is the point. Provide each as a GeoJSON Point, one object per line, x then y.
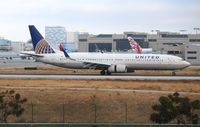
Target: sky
{"type": "Point", "coordinates": [97, 16]}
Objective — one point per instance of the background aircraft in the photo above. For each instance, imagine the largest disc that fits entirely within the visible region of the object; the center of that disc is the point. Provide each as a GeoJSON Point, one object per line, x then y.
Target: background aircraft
{"type": "Point", "coordinates": [136, 47]}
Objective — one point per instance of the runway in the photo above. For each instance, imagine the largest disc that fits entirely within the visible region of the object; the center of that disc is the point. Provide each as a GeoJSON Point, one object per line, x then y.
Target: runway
{"type": "Point", "coordinates": [99, 77]}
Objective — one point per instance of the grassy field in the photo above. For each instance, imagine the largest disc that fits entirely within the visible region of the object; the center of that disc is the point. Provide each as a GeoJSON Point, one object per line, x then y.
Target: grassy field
{"type": "Point", "coordinates": [79, 97]}
{"type": "Point", "coordinates": [93, 100]}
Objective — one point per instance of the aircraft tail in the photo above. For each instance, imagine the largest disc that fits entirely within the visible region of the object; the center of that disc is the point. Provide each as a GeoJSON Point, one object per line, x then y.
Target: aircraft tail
{"type": "Point", "coordinates": [64, 49]}
{"type": "Point", "coordinates": [134, 45]}
{"type": "Point", "coordinates": [40, 45]}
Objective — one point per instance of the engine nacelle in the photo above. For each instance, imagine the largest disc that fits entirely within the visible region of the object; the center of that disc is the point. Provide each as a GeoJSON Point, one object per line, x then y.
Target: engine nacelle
{"type": "Point", "coordinates": [117, 69]}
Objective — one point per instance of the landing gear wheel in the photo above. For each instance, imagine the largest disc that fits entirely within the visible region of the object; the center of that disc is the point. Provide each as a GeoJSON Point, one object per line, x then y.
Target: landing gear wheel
{"type": "Point", "coordinates": [108, 73]}
{"type": "Point", "coordinates": [173, 73]}
{"type": "Point", "coordinates": [103, 72]}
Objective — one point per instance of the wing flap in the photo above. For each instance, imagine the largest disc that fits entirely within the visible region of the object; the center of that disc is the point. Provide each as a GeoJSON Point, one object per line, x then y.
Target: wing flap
{"type": "Point", "coordinates": [95, 64]}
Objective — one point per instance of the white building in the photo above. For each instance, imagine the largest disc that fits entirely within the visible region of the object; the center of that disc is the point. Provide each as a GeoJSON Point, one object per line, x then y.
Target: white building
{"type": "Point", "coordinates": [55, 35]}
{"type": "Point", "coordinates": [17, 47]}
{"type": "Point", "coordinates": [72, 40]}
{"type": "Point", "coordinates": [192, 54]}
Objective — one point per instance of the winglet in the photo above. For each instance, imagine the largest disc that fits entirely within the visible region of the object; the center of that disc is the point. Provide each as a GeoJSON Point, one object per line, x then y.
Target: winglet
{"type": "Point", "coordinates": [64, 50]}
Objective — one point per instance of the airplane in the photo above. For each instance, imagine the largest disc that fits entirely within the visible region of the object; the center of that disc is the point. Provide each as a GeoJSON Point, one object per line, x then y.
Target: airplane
{"type": "Point", "coordinates": [136, 47]}
{"type": "Point", "coordinates": [106, 62]}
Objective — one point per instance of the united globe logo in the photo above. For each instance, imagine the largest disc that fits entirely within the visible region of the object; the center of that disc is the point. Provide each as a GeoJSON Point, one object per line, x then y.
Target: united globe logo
{"type": "Point", "coordinates": [43, 47]}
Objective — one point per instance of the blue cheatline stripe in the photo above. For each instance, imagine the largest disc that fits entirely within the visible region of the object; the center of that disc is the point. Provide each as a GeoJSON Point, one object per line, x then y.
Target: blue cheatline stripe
{"type": "Point", "coordinates": [35, 35]}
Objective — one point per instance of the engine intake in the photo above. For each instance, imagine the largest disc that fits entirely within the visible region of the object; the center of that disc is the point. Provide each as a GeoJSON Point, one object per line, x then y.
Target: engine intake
{"type": "Point", "coordinates": [117, 69]}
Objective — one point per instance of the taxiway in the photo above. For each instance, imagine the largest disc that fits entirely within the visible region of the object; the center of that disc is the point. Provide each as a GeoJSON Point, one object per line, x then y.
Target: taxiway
{"type": "Point", "coordinates": [100, 77]}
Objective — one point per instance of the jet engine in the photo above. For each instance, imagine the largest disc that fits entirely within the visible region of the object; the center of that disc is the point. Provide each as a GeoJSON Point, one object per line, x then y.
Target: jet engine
{"type": "Point", "coordinates": [117, 69]}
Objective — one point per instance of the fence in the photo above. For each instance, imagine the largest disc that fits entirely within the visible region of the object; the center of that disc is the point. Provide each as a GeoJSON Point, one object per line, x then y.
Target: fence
{"type": "Point", "coordinates": [93, 125]}
{"type": "Point", "coordinates": [85, 113]}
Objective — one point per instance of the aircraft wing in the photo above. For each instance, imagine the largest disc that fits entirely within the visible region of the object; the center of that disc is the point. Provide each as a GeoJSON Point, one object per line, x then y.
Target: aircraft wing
{"type": "Point", "coordinates": [88, 64]}
{"type": "Point", "coordinates": [30, 53]}
{"type": "Point", "coordinates": [95, 65]}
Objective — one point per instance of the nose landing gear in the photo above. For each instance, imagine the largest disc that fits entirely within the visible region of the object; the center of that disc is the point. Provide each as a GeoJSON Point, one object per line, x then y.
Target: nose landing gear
{"type": "Point", "coordinates": [105, 72]}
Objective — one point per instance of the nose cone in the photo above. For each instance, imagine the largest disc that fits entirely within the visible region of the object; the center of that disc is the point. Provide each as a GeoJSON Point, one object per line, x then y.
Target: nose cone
{"type": "Point", "coordinates": [186, 64]}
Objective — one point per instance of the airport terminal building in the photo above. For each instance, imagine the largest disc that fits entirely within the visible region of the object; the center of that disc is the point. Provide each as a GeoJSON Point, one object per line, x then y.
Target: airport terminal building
{"type": "Point", "coordinates": [186, 46]}
{"type": "Point", "coordinates": [10, 49]}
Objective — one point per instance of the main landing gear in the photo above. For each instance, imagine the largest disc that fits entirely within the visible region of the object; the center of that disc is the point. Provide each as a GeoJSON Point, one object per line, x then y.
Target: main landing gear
{"type": "Point", "coordinates": [173, 73]}
{"type": "Point", "coordinates": [105, 72]}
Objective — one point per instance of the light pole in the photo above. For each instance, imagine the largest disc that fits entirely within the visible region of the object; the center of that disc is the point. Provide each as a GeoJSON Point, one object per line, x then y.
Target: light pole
{"type": "Point", "coordinates": [157, 31]}
{"type": "Point", "coordinates": [196, 29]}
{"type": "Point", "coordinates": [183, 31]}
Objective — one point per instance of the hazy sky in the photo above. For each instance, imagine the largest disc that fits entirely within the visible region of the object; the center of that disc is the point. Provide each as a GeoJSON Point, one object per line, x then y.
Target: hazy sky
{"type": "Point", "coordinates": [97, 16]}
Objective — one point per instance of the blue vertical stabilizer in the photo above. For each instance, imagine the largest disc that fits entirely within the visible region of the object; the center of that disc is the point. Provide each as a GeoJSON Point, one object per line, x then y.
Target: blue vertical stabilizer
{"type": "Point", "coordinates": [35, 35]}
{"type": "Point", "coordinates": [41, 46]}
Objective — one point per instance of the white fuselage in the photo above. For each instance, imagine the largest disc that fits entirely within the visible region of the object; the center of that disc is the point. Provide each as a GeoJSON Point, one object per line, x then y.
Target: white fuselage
{"type": "Point", "coordinates": [131, 61]}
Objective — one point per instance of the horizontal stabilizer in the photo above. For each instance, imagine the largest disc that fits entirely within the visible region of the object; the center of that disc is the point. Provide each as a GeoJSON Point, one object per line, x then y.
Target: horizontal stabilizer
{"type": "Point", "coordinates": [29, 53]}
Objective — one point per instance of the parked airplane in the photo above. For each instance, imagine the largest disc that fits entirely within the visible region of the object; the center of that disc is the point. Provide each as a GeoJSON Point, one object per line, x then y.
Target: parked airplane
{"type": "Point", "coordinates": [106, 62]}
{"type": "Point", "coordinates": [136, 47]}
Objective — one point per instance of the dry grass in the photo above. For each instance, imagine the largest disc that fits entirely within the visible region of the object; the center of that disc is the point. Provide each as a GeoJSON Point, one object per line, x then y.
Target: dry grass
{"type": "Point", "coordinates": [65, 84]}
{"type": "Point", "coordinates": [79, 103]}
{"type": "Point", "coordinates": [51, 91]}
